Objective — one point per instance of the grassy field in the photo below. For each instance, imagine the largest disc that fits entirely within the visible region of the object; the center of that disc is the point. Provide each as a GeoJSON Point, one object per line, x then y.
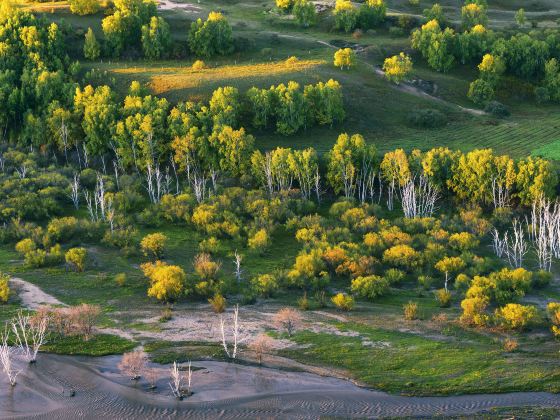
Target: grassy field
{"type": "Point", "coordinates": [417, 365]}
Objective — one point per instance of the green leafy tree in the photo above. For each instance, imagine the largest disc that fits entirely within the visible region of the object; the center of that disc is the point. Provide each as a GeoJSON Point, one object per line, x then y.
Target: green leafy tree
{"type": "Point", "coordinates": [305, 13]}
{"type": "Point", "coordinates": [84, 7]}
{"type": "Point", "coordinates": [92, 49]}
{"type": "Point", "coordinates": [225, 106]}
{"type": "Point", "coordinates": [345, 15]}
{"type": "Point", "coordinates": [481, 91]}
{"type": "Point", "coordinates": [473, 13]}
{"type": "Point", "coordinates": [520, 17]}
{"type": "Point", "coordinates": [156, 38]}
{"type": "Point", "coordinates": [234, 148]}
{"type": "Point", "coordinates": [435, 45]}
{"type": "Point", "coordinates": [210, 38]}
{"type": "Point", "coordinates": [371, 14]}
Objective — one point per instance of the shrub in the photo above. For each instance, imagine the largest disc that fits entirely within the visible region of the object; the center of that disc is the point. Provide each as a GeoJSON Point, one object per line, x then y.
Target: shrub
{"type": "Point", "coordinates": [205, 268]}
{"type": "Point", "coordinates": [120, 279]}
{"type": "Point", "coordinates": [510, 345]}
{"type": "Point", "coordinates": [198, 65]}
{"type": "Point", "coordinates": [36, 258]}
{"type": "Point", "coordinates": [343, 301]}
{"type": "Point", "coordinates": [401, 256]}
{"type": "Point", "coordinates": [541, 279]}
{"type": "Point", "coordinates": [394, 276]}
{"type": "Point", "coordinates": [514, 316]}
{"type": "Point", "coordinates": [167, 281]}
{"type": "Point", "coordinates": [303, 302]}
{"type": "Point", "coordinates": [153, 245]}
{"type": "Point", "coordinates": [83, 319]}
{"type": "Point", "coordinates": [443, 297]}
{"type": "Point", "coordinates": [265, 285]}
{"type": "Point", "coordinates": [553, 310]}
{"type": "Point", "coordinates": [25, 246]}
{"type": "Point", "coordinates": [497, 109]}
{"type": "Point", "coordinates": [76, 258]}
{"type": "Point", "coordinates": [474, 311]}
{"type": "Point", "coordinates": [166, 315]}
{"type": "Point", "coordinates": [288, 319]}
{"type": "Point", "coordinates": [4, 287]}
{"type": "Point", "coordinates": [210, 245]}
{"type": "Point", "coordinates": [259, 241]}
{"type": "Point", "coordinates": [218, 303]}
{"type": "Point", "coordinates": [425, 282]}
{"type": "Point", "coordinates": [370, 287]}
{"type": "Point", "coordinates": [427, 118]}
{"type": "Point", "coordinates": [410, 311]}
{"type": "Point", "coordinates": [133, 364]}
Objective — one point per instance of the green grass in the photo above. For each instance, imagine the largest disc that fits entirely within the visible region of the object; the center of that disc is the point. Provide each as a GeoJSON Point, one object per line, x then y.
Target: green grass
{"type": "Point", "coordinates": [549, 151]}
{"type": "Point", "coordinates": [415, 365]}
{"type": "Point", "coordinates": [165, 352]}
{"type": "Point", "coordinates": [98, 345]}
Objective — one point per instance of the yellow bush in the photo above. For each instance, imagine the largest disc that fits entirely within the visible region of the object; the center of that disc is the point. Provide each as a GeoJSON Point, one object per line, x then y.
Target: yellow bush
{"type": "Point", "coordinates": [167, 281]}
{"type": "Point", "coordinates": [76, 257]}
{"type": "Point", "coordinates": [153, 245]}
{"type": "Point", "coordinates": [410, 311]}
{"type": "Point", "coordinates": [4, 288]}
{"type": "Point", "coordinates": [401, 256]}
{"type": "Point", "coordinates": [515, 316]}
{"type": "Point", "coordinates": [343, 301]}
{"type": "Point", "coordinates": [198, 65]}
{"type": "Point", "coordinates": [474, 311]}
{"type": "Point", "coordinates": [259, 241]}
{"type": "Point", "coordinates": [218, 303]}
{"type": "Point", "coordinates": [25, 246]}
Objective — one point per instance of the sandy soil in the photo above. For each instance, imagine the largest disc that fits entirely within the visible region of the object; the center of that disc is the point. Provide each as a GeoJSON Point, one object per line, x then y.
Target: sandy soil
{"type": "Point", "coordinates": [32, 296]}
{"type": "Point", "coordinates": [185, 7]}
{"type": "Point", "coordinates": [221, 390]}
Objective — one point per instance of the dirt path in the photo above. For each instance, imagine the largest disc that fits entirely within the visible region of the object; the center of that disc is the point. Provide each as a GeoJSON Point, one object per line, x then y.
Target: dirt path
{"type": "Point", "coordinates": [32, 297]}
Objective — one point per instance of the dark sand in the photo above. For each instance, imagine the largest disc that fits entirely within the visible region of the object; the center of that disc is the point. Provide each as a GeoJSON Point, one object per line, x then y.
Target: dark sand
{"type": "Point", "coordinates": [221, 391]}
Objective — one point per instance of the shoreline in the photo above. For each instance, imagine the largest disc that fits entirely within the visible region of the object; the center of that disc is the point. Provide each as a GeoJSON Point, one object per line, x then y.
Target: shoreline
{"type": "Point", "coordinates": [223, 390]}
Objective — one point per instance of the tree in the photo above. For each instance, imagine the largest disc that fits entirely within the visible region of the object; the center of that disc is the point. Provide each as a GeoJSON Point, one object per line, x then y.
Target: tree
{"type": "Point", "coordinates": [345, 57]}
{"type": "Point", "coordinates": [536, 178]}
{"type": "Point", "coordinates": [473, 13]}
{"type": "Point", "coordinates": [234, 149]}
{"type": "Point", "coordinates": [371, 14]}
{"type": "Point", "coordinates": [520, 18]}
{"type": "Point", "coordinates": [481, 91]}
{"type": "Point", "coordinates": [304, 12]}
{"type": "Point", "coordinates": [449, 265]}
{"type": "Point", "coordinates": [324, 102]}
{"type": "Point", "coordinates": [225, 106]}
{"type": "Point", "coordinates": [472, 176]}
{"type": "Point", "coordinates": [167, 282]}
{"type": "Point", "coordinates": [76, 257]}
{"type": "Point", "coordinates": [261, 345]}
{"type": "Point", "coordinates": [133, 364]}
{"type": "Point", "coordinates": [351, 166]}
{"type": "Point", "coordinates": [97, 109]}
{"type": "Point", "coordinates": [153, 245]}
{"type": "Point", "coordinates": [92, 49]}
{"type": "Point", "coordinates": [84, 7]}
{"type": "Point", "coordinates": [397, 68]}
{"type": "Point", "coordinates": [123, 28]}
{"type": "Point", "coordinates": [213, 37]}
{"type": "Point", "coordinates": [435, 13]}
{"type": "Point", "coordinates": [156, 38]}
{"type": "Point", "coordinates": [288, 319]}
{"type": "Point", "coordinates": [435, 45]}
{"type": "Point", "coordinates": [345, 15]}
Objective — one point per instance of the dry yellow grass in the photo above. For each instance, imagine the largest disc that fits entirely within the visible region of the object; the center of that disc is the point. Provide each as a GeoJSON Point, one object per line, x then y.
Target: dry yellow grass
{"type": "Point", "coordinates": [45, 7]}
{"type": "Point", "coordinates": [165, 79]}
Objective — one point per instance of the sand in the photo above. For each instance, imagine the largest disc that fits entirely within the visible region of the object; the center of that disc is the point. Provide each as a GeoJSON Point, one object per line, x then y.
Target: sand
{"type": "Point", "coordinates": [221, 390]}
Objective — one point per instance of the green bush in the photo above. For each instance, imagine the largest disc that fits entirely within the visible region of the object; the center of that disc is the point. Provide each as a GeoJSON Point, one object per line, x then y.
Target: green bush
{"type": "Point", "coordinates": [427, 118]}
